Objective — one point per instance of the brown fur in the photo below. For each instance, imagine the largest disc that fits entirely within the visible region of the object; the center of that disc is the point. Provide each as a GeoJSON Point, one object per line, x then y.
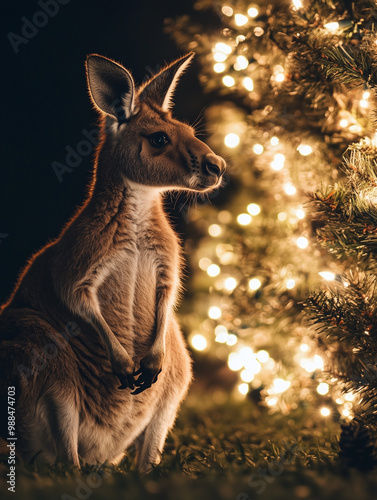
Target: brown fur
{"type": "Point", "coordinates": [96, 305]}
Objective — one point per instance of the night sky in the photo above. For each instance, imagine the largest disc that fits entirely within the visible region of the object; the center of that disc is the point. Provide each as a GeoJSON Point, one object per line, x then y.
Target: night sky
{"type": "Point", "coordinates": [46, 107]}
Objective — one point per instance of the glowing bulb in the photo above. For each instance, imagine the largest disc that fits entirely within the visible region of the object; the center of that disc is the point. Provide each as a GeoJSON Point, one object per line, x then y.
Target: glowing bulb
{"type": "Point", "coordinates": [274, 141]}
{"type": "Point", "coordinates": [318, 362]}
{"type": "Point", "coordinates": [243, 389]}
{"type": "Point", "coordinates": [323, 388]}
{"type": "Point", "coordinates": [204, 263]}
{"type": "Point", "coordinates": [232, 140]}
{"type": "Point", "coordinates": [350, 396]}
{"type": "Point", "coordinates": [219, 67]}
{"type": "Point", "coordinates": [290, 284]}
{"type": "Point", "coordinates": [297, 4]}
{"type": "Point", "coordinates": [198, 342]}
{"type": "Point", "coordinates": [221, 334]}
{"type": "Point", "coordinates": [363, 103]}
{"type": "Point", "coordinates": [366, 94]}
{"type": "Point", "coordinates": [223, 47]}
{"type": "Point", "coordinates": [278, 162]}
{"type": "Point", "coordinates": [280, 77]}
{"type": "Point", "coordinates": [252, 12]}
{"type": "Point", "coordinates": [219, 56]}
{"type": "Point", "coordinates": [230, 284]}
{"type": "Point", "coordinates": [228, 81]}
{"type": "Point", "coordinates": [214, 230]}
{"type": "Point", "coordinates": [227, 11]}
{"type": "Point", "coordinates": [279, 385]}
{"type": "Point", "coordinates": [272, 402]}
{"type": "Point", "coordinates": [248, 84]}
{"type": "Point", "coordinates": [263, 356]}
{"type": "Point", "coordinates": [241, 63]}
{"type": "Point", "coordinates": [302, 242]}
{"type": "Point", "coordinates": [300, 214]}
{"type": "Point", "coordinates": [253, 209]}
{"type": "Point", "coordinates": [214, 312]}
{"type": "Point", "coordinates": [244, 219]}
{"type": "Point", "coordinates": [304, 149]}
{"type": "Point", "coordinates": [332, 27]}
{"type": "Point", "coordinates": [234, 362]}
{"type": "Point", "coordinates": [213, 270]}
{"type": "Point", "coordinates": [346, 413]}
{"type": "Point", "coordinates": [240, 38]}
{"type": "Point", "coordinates": [289, 189]}
{"type": "Point", "coordinates": [327, 275]}
{"type": "Point", "coordinates": [240, 19]}
{"type": "Point", "coordinates": [304, 347]}
{"type": "Point", "coordinates": [232, 339]}
{"type": "Point", "coordinates": [247, 375]}
{"type": "Point", "coordinates": [258, 31]}
{"type": "Point", "coordinates": [254, 284]}
{"type": "Point", "coordinates": [325, 412]}
{"type": "Point", "coordinates": [282, 216]}
{"type": "Point", "coordinates": [343, 123]}
{"type": "Point", "coordinates": [258, 149]}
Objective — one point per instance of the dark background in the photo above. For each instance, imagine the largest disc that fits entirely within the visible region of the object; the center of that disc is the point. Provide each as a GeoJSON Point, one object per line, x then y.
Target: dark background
{"type": "Point", "coordinates": [45, 107]}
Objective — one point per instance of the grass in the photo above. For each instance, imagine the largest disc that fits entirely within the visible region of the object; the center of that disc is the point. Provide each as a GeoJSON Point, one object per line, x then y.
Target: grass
{"type": "Point", "coordinates": [232, 451]}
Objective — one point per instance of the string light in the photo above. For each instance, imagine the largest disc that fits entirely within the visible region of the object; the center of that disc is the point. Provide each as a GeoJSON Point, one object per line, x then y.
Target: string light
{"type": "Point", "coordinates": [199, 342]}
{"type": "Point", "coordinates": [213, 270]}
{"type": "Point", "coordinates": [262, 356]}
{"type": "Point", "coordinates": [223, 47]}
{"type": "Point", "coordinates": [247, 375]}
{"type": "Point", "coordinates": [240, 19]}
{"type": "Point", "coordinates": [220, 56]}
{"type": "Point", "coordinates": [228, 81]}
{"type": "Point", "coordinates": [214, 312]}
{"type": "Point", "coordinates": [253, 209]}
{"type": "Point", "coordinates": [300, 214]}
{"type": "Point", "coordinates": [214, 230]}
{"type": "Point", "coordinates": [332, 27]}
{"type": "Point", "coordinates": [258, 149]}
{"type": "Point", "coordinates": [279, 385]}
{"type": "Point", "coordinates": [204, 263]}
{"type": "Point", "coordinates": [234, 362]}
{"type": "Point", "coordinates": [232, 140]}
{"type": "Point", "coordinates": [297, 4]}
{"type": "Point", "coordinates": [327, 275]}
{"type": "Point", "coordinates": [232, 339]}
{"type": "Point", "coordinates": [241, 63]}
{"type": "Point", "coordinates": [304, 149]}
{"type": "Point", "coordinates": [219, 67]}
{"type": "Point", "coordinates": [254, 284]}
{"type": "Point", "coordinates": [274, 141]}
{"type": "Point", "coordinates": [302, 242]}
{"type": "Point", "coordinates": [230, 284]}
{"type": "Point", "coordinates": [227, 11]}
{"type": "Point", "coordinates": [289, 189]}
{"type": "Point", "coordinates": [325, 412]}
{"type": "Point", "coordinates": [278, 162]}
{"type": "Point", "coordinates": [279, 77]}
{"type": "Point", "coordinates": [343, 123]}
{"type": "Point", "coordinates": [253, 12]}
{"type": "Point", "coordinates": [221, 334]}
{"type": "Point", "coordinates": [248, 83]}
{"type": "Point", "coordinates": [291, 283]}
{"type": "Point", "coordinates": [323, 388]}
{"type": "Point", "coordinates": [244, 219]}
{"type": "Point", "coordinates": [243, 388]}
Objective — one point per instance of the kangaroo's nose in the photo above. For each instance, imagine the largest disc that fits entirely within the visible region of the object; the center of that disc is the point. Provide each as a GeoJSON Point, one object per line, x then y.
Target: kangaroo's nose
{"type": "Point", "coordinates": [215, 165]}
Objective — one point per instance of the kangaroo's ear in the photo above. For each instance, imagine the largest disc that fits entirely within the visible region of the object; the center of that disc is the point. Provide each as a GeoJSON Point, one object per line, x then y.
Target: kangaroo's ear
{"type": "Point", "coordinates": [161, 87]}
{"type": "Point", "coordinates": [111, 87]}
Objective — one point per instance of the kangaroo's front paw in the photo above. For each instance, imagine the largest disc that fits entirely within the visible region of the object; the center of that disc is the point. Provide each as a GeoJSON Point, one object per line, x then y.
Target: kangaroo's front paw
{"type": "Point", "coordinates": [150, 367]}
{"type": "Point", "coordinates": [124, 370]}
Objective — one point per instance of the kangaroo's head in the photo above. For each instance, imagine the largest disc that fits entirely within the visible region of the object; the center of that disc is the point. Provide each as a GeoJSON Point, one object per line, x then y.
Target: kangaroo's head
{"type": "Point", "coordinates": [145, 143]}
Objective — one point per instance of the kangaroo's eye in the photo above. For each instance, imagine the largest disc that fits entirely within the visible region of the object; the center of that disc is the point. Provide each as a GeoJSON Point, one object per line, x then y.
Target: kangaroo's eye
{"type": "Point", "coordinates": [159, 139]}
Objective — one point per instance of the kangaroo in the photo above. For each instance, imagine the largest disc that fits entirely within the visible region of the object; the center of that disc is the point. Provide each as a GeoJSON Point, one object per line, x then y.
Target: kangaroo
{"type": "Point", "coordinates": [89, 341]}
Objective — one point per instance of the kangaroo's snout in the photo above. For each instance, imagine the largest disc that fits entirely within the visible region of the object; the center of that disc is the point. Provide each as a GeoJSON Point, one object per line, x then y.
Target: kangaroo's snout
{"type": "Point", "coordinates": [214, 165]}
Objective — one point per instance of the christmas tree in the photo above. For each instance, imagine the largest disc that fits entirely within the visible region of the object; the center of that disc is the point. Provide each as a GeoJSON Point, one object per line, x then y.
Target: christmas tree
{"type": "Point", "coordinates": [290, 84]}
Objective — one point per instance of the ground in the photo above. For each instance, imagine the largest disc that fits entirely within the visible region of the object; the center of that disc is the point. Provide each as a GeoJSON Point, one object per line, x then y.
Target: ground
{"type": "Point", "coordinates": [232, 451]}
